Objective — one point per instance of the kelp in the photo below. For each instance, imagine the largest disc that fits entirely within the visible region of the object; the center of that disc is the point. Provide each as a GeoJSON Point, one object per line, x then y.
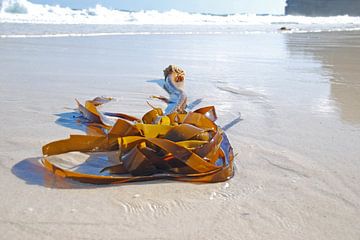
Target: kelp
{"type": "Point", "coordinates": [179, 146]}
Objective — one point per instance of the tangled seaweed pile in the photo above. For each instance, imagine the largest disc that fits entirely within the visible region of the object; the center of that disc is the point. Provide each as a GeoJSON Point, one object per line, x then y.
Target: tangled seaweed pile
{"type": "Point", "coordinates": [179, 146]}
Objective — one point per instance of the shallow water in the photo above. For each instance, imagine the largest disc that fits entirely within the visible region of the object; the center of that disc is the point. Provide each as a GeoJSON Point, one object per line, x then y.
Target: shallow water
{"type": "Point", "coordinates": [297, 141]}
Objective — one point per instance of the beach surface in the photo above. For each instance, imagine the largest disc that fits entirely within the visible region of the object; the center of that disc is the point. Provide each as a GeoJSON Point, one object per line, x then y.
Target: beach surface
{"type": "Point", "coordinates": [297, 144]}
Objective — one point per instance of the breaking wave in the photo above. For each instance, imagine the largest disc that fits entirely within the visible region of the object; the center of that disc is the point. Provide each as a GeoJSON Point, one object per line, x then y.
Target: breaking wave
{"type": "Point", "coordinates": [23, 11]}
{"type": "Point", "coordinates": [24, 19]}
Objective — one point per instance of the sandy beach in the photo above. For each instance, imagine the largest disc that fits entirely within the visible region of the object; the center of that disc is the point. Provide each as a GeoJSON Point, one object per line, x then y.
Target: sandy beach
{"type": "Point", "coordinates": [298, 162]}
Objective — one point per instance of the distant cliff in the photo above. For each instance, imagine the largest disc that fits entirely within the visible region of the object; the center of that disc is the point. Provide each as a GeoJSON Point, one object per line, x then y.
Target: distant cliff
{"type": "Point", "coordinates": [323, 7]}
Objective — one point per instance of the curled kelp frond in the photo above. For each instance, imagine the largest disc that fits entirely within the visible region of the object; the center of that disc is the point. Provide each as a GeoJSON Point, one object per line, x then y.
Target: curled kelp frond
{"type": "Point", "coordinates": [179, 146]}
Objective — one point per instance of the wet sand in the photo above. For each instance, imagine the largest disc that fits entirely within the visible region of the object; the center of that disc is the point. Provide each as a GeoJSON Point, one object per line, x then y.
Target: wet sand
{"type": "Point", "coordinates": [297, 143]}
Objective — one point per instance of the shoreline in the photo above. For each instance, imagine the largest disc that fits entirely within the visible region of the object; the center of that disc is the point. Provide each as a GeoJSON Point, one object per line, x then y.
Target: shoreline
{"type": "Point", "coordinates": [30, 30]}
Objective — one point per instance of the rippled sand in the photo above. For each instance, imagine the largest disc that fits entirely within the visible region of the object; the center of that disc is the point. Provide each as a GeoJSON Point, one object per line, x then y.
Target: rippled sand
{"type": "Point", "coordinates": [297, 142]}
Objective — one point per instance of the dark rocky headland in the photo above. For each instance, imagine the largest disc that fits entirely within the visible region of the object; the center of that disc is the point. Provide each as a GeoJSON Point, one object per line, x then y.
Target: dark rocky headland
{"type": "Point", "coordinates": [323, 7]}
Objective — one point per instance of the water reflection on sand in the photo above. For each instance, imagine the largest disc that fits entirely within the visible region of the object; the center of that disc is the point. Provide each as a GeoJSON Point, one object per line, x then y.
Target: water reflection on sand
{"type": "Point", "coordinates": [339, 54]}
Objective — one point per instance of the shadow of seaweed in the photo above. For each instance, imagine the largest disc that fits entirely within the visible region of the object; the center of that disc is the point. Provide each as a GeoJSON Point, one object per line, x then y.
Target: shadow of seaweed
{"type": "Point", "coordinates": [33, 173]}
{"type": "Point", "coordinates": [72, 120]}
{"type": "Point", "coordinates": [194, 103]}
{"type": "Point", "coordinates": [232, 123]}
{"type": "Point", "coordinates": [159, 82]}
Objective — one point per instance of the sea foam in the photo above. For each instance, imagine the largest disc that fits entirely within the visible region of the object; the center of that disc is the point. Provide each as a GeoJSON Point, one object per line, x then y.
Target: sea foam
{"type": "Point", "coordinates": [57, 21]}
{"type": "Point", "coordinates": [23, 11]}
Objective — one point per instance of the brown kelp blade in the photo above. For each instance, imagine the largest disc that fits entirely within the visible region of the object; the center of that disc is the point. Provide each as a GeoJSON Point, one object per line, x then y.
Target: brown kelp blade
{"type": "Point", "coordinates": [183, 147]}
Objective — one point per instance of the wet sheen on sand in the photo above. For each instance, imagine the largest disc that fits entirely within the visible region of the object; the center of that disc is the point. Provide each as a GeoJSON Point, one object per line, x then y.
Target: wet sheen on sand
{"type": "Point", "coordinates": [297, 139]}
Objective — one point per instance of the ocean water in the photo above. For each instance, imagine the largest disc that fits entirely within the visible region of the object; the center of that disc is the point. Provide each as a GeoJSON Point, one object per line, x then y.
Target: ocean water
{"type": "Point", "coordinates": [21, 18]}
